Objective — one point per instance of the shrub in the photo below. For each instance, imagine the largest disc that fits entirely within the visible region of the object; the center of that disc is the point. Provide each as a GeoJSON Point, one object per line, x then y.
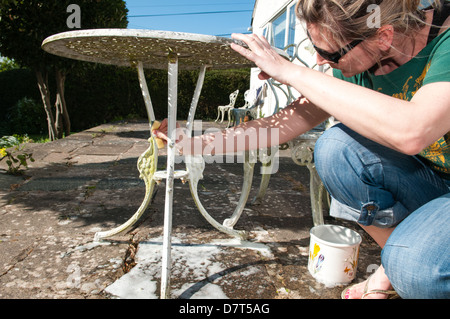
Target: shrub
{"type": "Point", "coordinates": [27, 117]}
{"type": "Point", "coordinates": [11, 150]}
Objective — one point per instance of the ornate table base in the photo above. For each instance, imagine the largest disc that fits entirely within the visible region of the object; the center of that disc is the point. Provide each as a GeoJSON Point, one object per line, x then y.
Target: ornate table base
{"type": "Point", "coordinates": [147, 164]}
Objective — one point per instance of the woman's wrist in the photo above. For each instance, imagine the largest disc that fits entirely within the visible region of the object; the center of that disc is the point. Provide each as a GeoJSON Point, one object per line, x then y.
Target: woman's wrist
{"type": "Point", "coordinates": [294, 75]}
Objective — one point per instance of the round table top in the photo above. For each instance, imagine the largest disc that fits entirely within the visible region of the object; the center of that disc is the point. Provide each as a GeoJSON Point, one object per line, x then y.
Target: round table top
{"type": "Point", "coordinates": [125, 47]}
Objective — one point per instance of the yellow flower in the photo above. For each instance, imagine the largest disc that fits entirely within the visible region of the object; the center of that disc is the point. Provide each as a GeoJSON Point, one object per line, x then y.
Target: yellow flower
{"type": "Point", "coordinates": [2, 152]}
{"type": "Point", "coordinates": [315, 251]}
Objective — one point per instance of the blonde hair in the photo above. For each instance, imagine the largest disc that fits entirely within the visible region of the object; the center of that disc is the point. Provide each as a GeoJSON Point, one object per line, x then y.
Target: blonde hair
{"type": "Point", "coordinates": [346, 20]}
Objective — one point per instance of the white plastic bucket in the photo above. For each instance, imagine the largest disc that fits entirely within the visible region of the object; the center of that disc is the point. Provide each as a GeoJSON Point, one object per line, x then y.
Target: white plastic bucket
{"type": "Point", "coordinates": [333, 254]}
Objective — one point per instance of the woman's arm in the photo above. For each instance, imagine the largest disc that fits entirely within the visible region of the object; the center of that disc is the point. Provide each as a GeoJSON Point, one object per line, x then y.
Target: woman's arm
{"type": "Point", "coordinates": [292, 121]}
{"type": "Point", "coordinates": [405, 126]}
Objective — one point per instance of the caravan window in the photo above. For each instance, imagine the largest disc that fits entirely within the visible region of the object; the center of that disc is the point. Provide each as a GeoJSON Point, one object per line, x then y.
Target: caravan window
{"type": "Point", "coordinates": [280, 31]}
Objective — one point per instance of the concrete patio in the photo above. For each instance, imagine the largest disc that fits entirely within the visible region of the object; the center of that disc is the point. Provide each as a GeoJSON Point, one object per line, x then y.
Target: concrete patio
{"type": "Point", "coordinates": [89, 182]}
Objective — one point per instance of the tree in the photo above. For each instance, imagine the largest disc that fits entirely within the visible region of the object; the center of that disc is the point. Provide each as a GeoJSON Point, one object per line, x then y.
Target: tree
{"type": "Point", "coordinates": [24, 24]}
{"type": "Point", "coordinates": [7, 64]}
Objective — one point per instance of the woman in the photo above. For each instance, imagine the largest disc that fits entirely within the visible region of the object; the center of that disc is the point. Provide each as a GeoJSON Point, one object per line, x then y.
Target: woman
{"type": "Point", "coordinates": [387, 165]}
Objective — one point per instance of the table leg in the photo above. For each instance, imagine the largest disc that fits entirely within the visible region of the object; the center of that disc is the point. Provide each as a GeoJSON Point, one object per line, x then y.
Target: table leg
{"type": "Point", "coordinates": [195, 98]}
{"type": "Point", "coordinates": [196, 165]}
{"type": "Point", "coordinates": [266, 171]}
{"type": "Point", "coordinates": [249, 166]}
{"type": "Point", "coordinates": [147, 164]}
{"type": "Point", "coordinates": [172, 117]}
{"type": "Point", "coordinates": [145, 93]}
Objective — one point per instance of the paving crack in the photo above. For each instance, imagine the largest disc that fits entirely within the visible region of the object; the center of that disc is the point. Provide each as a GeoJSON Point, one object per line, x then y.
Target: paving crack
{"type": "Point", "coordinates": [19, 258]}
{"type": "Point", "coordinates": [129, 259]}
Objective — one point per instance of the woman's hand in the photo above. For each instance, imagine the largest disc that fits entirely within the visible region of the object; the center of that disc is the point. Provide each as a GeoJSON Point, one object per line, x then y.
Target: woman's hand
{"type": "Point", "coordinates": [260, 52]}
{"type": "Point", "coordinates": [160, 132]}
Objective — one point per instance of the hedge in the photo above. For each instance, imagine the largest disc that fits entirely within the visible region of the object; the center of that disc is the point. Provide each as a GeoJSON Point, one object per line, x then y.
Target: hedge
{"type": "Point", "coordinates": [101, 94]}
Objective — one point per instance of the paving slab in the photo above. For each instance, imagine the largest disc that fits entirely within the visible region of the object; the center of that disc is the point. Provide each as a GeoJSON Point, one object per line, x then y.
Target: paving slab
{"type": "Point", "coordinates": [89, 182]}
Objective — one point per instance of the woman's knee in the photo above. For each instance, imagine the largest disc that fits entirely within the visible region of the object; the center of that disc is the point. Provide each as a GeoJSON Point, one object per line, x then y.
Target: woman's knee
{"type": "Point", "coordinates": [416, 255]}
{"type": "Point", "coordinates": [352, 170]}
{"type": "Point", "coordinates": [344, 162]}
{"type": "Point", "coordinates": [331, 153]}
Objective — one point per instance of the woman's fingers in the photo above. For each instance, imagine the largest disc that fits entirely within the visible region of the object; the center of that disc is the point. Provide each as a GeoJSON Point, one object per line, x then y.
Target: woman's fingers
{"type": "Point", "coordinates": [161, 131]}
{"type": "Point", "coordinates": [263, 76]}
{"type": "Point", "coordinates": [243, 51]}
{"type": "Point", "coordinates": [164, 126]}
{"type": "Point", "coordinates": [161, 135]}
{"type": "Point", "coordinates": [263, 55]}
{"type": "Point", "coordinates": [253, 42]}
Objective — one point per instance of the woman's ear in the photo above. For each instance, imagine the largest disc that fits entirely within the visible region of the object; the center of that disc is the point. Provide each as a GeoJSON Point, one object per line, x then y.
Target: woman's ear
{"type": "Point", "coordinates": [385, 37]}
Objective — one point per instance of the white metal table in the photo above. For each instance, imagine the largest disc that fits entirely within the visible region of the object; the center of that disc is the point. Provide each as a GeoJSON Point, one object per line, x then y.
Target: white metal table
{"type": "Point", "coordinates": [160, 50]}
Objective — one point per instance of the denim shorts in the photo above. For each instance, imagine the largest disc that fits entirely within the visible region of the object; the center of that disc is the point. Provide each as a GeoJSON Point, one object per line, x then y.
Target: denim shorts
{"type": "Point", "coordinates": [420, 268]}
{"type": "Point", "coordinates": [372, 184]}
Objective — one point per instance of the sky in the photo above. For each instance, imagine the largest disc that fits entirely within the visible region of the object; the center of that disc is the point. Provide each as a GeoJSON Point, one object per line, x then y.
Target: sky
{"type": "Point", "coordinates": [211, 17]}
{"type": "Point", "coordinates": [193, 16]}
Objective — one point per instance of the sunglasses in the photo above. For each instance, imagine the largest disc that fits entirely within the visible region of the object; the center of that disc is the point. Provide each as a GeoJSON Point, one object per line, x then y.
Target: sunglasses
{"type": "Point", "coordinates": [335, 56]}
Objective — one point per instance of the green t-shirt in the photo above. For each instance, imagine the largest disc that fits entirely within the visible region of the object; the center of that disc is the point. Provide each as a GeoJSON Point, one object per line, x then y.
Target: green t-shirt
{"type": "Point", "coordinates": [432, 64]}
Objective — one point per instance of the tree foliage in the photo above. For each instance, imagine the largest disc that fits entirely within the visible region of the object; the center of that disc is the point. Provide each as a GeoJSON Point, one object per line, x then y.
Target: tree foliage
{"type": "Point", "coordinates": [7, 64]}
{"type": "Point", "coordinates": [24, 24]}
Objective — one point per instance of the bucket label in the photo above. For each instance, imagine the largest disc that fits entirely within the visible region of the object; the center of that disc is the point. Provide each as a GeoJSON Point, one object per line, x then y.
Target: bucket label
{"type": "Point", "coordinates": [316, 259]}
{"type": "Point", "coordinates": [352, 262]}
{"type": "Point", "coordinates": [318, 256]}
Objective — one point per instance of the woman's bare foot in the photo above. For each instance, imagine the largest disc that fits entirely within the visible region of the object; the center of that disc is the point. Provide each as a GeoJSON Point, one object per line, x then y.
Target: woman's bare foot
{"type": "Point", "coordinates": [368, 289]}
